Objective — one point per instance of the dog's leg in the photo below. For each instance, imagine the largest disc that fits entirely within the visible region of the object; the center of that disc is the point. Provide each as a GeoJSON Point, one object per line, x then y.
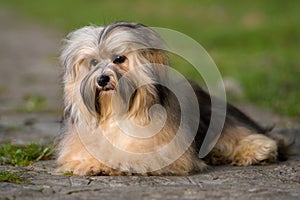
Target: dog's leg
{"type": "Point", "coordinates": [73, 157]}
{"type": "Point", "coordinates": [240, 146]}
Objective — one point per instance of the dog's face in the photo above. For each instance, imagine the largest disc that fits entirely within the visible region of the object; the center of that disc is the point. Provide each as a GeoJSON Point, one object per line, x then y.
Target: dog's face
{"type": "Point", "coordinates": [112, 61]}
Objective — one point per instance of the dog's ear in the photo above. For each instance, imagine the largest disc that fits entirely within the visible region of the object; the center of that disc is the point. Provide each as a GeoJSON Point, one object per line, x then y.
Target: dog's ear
{"type": "Point", "coordinates": [155, 56]}
{"type": "Point", "coordinates": [77, 46]}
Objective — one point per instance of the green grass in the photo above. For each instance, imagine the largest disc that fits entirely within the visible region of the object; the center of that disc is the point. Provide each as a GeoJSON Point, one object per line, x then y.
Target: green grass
{"type": "Point", "coordinates": [10, 176]}
{"type": "Point", "coordinates": [255, 41]}
{"type": "Point", "coordinates": [68, 174]}
{"type": "Point", "coordinates": [23, 155]}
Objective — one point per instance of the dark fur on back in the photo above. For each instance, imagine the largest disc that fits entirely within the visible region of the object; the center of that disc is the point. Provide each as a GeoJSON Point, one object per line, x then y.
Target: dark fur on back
{"type": "Point", "coordinates": [234, 117]}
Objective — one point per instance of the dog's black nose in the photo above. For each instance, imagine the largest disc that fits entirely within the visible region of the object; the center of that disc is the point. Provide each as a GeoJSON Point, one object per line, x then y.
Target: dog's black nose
{"type": "Point", "coordinates": [103, 80]}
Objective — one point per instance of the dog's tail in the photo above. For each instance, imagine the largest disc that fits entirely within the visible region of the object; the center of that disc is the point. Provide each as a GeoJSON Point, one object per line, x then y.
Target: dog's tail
{"type": "Point", "coordinates": [285, 140]}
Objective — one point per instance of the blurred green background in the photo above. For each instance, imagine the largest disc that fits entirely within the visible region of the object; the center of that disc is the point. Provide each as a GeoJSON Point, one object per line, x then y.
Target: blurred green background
{"type": "Point", "coordinates": [257, 42]}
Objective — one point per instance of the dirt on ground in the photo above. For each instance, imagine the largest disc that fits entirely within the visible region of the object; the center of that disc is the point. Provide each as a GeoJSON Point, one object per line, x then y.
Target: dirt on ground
{"type": "Point", "coordinates": [30, 111]}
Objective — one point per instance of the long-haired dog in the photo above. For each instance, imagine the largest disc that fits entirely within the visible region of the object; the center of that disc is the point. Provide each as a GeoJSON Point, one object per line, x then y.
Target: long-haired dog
{"type": "Point", "coordinates": [121, 117]}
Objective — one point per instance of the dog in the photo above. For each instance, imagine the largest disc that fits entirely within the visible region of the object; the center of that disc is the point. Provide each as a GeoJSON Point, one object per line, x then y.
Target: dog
{"type": "Point", "coordinates": [121, 117]}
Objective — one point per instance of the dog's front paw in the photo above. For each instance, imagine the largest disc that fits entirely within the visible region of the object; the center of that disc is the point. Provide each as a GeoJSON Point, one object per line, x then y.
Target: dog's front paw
{"type": "Point", "coordinates": [255, 149]}
{"type": "Point", "coordinates": [81, 168]}
{"type": "Point", "coordinates": [89, 167]}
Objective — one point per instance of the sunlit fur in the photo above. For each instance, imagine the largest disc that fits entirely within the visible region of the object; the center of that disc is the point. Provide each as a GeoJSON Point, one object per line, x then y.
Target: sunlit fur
{"type": "Point", "coordinates": [92, 110]}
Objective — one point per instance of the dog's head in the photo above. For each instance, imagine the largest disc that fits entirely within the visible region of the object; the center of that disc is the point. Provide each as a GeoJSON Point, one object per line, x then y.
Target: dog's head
{"type": "Point", "coordinates": [121, 60]}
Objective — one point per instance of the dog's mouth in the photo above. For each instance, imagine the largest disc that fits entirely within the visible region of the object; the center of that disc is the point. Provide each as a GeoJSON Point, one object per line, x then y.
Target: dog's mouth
{"type": "Point", "coordinates": [107, 88]}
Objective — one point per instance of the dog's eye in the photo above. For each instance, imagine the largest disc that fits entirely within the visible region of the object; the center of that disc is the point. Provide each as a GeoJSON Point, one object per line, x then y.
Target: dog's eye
{"type": "Point", "coordinates": [94, 62]}
{"type": "Point", "coordinates": [119, 59]}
